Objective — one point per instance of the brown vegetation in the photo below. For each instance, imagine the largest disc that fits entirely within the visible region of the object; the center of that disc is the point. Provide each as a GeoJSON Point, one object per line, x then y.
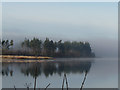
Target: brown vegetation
{"type": "Point", "coordinates": [10, 58]}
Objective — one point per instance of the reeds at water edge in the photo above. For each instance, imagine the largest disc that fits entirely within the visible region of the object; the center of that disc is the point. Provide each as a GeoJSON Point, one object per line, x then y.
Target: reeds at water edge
{"type": "Point", "coordinates": [65, 81]}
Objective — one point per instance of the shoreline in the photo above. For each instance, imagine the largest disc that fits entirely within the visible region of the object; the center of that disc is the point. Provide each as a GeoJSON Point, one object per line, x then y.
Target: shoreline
{"type": "Point", "coordinates": [21, 58]}
{"type": "Point", "coordinates": [24, 57]}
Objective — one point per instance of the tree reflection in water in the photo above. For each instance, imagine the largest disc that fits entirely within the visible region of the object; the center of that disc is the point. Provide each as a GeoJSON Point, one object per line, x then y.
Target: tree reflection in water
{"type": "Point", "coordinates": [48, 68]}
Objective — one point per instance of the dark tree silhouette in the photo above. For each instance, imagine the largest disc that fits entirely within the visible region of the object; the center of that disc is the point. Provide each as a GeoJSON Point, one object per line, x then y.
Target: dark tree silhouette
{"type": "Point", "coordinates": [37, 47]}
{"type": "Point", "coordinates": [6, 44]}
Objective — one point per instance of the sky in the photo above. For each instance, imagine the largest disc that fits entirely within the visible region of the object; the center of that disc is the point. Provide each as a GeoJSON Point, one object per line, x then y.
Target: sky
{"type": "Point", "coordinates": [96, 22]}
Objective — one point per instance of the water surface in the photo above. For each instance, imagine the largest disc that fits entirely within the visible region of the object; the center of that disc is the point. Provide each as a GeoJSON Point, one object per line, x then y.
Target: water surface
{"type": "Point", "coordinates": [102, 73]}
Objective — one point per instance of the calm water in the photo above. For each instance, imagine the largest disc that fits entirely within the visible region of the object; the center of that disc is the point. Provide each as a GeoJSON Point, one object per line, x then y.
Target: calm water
{"type": "Point", "coordinates": [102, 73]}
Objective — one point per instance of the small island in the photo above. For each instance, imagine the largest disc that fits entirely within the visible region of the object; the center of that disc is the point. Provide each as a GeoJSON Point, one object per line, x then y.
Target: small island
{"type": "Point", "coordinates": [47, 49]}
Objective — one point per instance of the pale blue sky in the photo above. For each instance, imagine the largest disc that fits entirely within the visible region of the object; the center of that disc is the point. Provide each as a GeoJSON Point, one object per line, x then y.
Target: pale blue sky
{"type": "Point", "coordinates": [68, 21]}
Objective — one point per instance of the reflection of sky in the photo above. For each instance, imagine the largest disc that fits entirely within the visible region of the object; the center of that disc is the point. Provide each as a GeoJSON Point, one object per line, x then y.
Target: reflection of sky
{"type": "Point", "coordinates": [67, 21]}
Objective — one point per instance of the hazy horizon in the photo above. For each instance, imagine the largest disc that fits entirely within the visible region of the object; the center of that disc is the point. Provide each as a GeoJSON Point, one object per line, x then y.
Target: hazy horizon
{"type": "Point", "coordinates": [96, 23]}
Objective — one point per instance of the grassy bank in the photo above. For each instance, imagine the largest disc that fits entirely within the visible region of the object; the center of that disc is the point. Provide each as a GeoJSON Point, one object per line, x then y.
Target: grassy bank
{"type": "Point", "coordinates": [24, 57]}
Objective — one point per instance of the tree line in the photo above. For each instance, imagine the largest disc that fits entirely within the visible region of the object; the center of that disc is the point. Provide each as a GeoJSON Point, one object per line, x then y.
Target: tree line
{"type": "Point", "coordinates": [51, 48]}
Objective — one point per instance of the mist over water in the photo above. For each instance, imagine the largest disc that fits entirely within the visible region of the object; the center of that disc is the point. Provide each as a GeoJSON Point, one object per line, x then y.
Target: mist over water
{"type": "Point", "coordinates": [92, 22]}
